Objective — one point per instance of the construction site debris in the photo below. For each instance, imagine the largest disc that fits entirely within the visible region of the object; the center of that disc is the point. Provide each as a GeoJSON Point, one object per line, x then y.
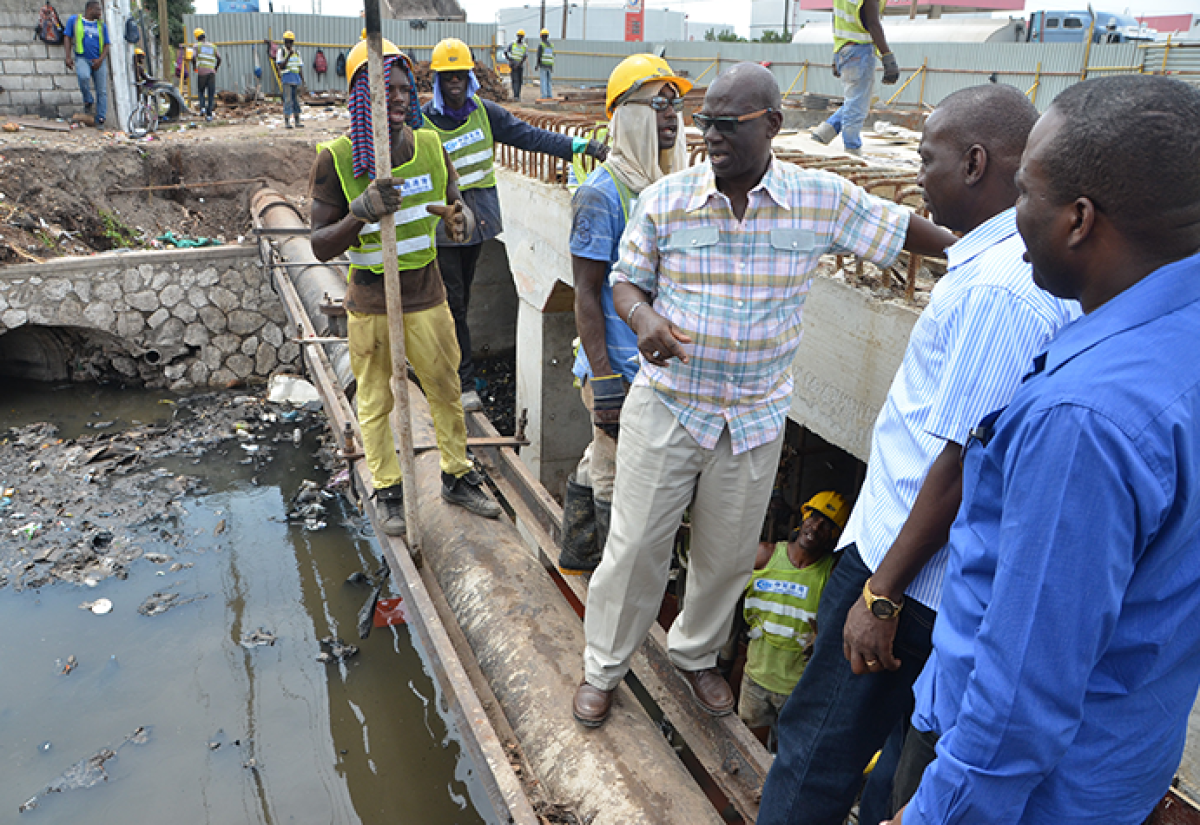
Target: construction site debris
{"type": "Point", "coordinates": [86, 773]}
{"type": "Point", "coordinates": [336, 650]}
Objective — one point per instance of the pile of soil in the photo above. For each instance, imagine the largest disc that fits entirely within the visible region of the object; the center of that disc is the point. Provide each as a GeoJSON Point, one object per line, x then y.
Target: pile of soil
{"type": "Point", "coordinates": [491, 85]}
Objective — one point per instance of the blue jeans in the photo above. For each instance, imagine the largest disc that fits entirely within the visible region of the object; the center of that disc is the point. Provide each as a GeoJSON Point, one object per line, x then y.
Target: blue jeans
{"type": "Point", "coordinates": [291, 104]}
{"type": "Point", "coordinates": [834, 721]}
{"type": "Point", "coordinates": [856, 64]}
{"type": "Point", "coordinates": [87, 77]}
{"type": "Point", "coordinates": [546, 90]}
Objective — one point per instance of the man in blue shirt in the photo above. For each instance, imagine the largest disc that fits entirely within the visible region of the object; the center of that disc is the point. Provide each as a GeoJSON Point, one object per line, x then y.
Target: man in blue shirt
{"type": "Point", "coordinates": [645, 99]}
{"type": "Point", "coordinates": [967, 353]}
{"type": "Point", "coordinates": [86, 44]}
{"type": "Point", "coordinates": [1067, 651]}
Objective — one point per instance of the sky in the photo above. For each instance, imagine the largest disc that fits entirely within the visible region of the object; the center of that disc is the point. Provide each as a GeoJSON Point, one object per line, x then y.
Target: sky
{"type": "Point", "coordinates": [711, 11]}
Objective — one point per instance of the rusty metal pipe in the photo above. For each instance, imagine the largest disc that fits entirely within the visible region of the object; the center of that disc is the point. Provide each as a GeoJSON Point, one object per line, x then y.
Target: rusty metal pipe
{"type": "Point", "coordinates": [313, 279]}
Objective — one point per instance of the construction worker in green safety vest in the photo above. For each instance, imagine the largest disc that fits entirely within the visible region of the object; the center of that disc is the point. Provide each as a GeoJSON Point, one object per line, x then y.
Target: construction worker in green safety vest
{"type": "Point", "coordinates": [545, 63]}
{"type": "Point", "coordinates": [350, 210]}
{"type": "Point", "coordinates": [781, 609]}
{"type": "Point", "coordinates": [205, 60]}
{"type": "Point", "coordinates": [645, 102]}
{"type": "Point", "coordinates": [291, 77]}
{"type": "Point", "coordinates": [857, 36]}
{"type": "Point", "coordinates": [515, 55]}
{"type": "Point", "coordinates": [86, 43]}
{"type": "Point", "coordinates": [469, 127]}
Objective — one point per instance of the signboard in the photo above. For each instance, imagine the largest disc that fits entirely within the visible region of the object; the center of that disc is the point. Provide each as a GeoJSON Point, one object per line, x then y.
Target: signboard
{"type": "Point", "coordinates": [635, 20]}
{"type": "Point", "coordinates": [231, 6]}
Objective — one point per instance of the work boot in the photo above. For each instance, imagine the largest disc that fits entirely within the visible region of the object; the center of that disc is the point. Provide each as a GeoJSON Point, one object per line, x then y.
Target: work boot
{"type": "Point", "coordinates": [580, 550]}
{"type": "Point", "coordinates": [591, 705]}
{"type": "Point", "coordinates": [392, 499]}
{"type": "Point", "coordinates": [471, 401]}
{"type": "Point", "coordinates": [87, 108]}
{"type": "Point", "coordinates": [299, 125]}
{"type": "Point", "coordinates": [287, 122]}
{"type": "Point", "coordinates": [823, 133]}
{"type": "Point", "coordinates": [710, 690]}
{"type": "Point", "coordinates": [467, 492]}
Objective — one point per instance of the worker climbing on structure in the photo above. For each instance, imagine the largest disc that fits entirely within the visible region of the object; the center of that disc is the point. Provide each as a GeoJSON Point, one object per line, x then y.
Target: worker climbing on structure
{"type": "Point", "coordinates": [644, 102]}
{"type": "Point", "coordinates": [515, 55]}
{"type": "Point", "coordinates": [857, 35]}
{"type": "Point", "coordinates": [206, 60]}
{"type": "Point", "coordinates": [291, 75]}
{"type": "Point", "coordinates": [469, 128]}
{"type": "Point", "coordinates": [348, 208]}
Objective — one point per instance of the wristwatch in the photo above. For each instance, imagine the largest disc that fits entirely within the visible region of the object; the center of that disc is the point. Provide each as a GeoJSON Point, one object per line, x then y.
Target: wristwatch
{"type": "Point", "coordinates": [881, 607]}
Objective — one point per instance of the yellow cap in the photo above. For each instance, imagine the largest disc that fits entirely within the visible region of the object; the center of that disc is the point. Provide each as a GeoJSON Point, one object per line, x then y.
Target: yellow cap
{"type": "Point", "coordinates": [289, 35]}
{"type": "Point", "coordinates": [358, 58]}
{"type": "Point", "coordinates": [829, 504]}
{"type": "Point", "coordinates": [197, 34]}
{"type": "Point", "coordinates": [451, 55]}
{"type": "Point", "coordinates": [636, 70]}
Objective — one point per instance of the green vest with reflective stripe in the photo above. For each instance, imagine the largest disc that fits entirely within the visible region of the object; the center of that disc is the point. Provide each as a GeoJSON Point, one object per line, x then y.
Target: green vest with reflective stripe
{"type": "Point", "coordinates": [471, 149]}
{"type": "Point", "coordinates": [547, 55]}
{"type": "Point", "coordinates": [517, 50]}
{"type": "Point", "coordinates": [79, 33]}
{"type": "Point", "coordinates": [781, 604]}
{"type": "Point", "coordinates": [847, 25]}
{"type": "Point", "coordinates": [294, 64]}
{"type": "Point", "coordinates": [425, 178]}
{"type": "Point", "coordinates": [206, 56]}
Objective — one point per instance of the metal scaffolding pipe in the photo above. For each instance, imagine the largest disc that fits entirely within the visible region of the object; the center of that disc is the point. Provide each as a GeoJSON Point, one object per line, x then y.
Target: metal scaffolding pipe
{"type": "Point", "coordinates": [313, 279]}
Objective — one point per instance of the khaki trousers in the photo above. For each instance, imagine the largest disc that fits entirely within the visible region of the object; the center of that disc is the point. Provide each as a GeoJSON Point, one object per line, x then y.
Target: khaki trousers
{"type": "Point", "coordinates": [661, 470]}
{"type": "Point", "coordinates": [432, 350]}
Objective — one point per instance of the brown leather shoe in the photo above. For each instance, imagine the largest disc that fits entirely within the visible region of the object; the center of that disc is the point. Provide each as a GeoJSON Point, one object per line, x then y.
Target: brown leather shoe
{"type": "Point", "coordinates": [591, 705]}
{"type": "Point", "coordinates": [710, 690]}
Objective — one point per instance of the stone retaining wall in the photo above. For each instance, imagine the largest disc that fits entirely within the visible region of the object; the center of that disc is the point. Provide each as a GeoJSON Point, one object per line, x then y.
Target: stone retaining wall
{"type": "Point", "coordinates": [180, 318]}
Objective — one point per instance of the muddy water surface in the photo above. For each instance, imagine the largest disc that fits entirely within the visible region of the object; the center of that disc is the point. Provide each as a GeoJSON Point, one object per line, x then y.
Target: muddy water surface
{"type": "Point", "coordinates": [169, 717]}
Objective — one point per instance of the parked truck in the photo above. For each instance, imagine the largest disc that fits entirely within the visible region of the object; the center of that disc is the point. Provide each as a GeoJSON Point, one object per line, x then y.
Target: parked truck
{"type": "Point", "coordinates": [1073, 27]}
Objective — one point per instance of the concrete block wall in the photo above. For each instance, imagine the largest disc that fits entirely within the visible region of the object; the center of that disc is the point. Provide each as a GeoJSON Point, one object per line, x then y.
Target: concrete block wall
{"type": "Point", "coordinates": [34, 80]}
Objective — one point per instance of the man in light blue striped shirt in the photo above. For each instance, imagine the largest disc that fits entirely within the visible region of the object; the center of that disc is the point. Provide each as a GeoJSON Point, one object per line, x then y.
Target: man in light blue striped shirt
{"type": "Point", "coordinates": [968, 352]}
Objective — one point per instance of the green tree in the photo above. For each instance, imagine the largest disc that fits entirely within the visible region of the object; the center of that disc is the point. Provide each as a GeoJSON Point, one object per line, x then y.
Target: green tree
{"type": "Point", "coordinates": [772, 36]}
{"type": "Point", "coordinates": [723, 36]}
{"type": "Point", "coordinates": [176, 9]}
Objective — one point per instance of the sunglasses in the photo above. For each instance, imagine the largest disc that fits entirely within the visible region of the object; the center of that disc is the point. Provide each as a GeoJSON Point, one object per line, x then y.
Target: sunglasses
{"type": "Point", "coordinates": [725, 124]}
{"type": "Point", "coordinates": [660, 104]}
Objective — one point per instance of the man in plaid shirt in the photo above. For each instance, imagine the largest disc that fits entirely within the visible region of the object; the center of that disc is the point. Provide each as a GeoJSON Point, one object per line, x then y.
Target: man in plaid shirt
{"type": "Point", "coordinates": [714, 271]}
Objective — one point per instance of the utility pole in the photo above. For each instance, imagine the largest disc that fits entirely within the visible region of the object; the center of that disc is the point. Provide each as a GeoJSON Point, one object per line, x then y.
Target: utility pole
{"type": "Point", "coordinates": [542, 24]}
{"type": "Point", "coordinates": [164, 40]}
{"type": "Point", "coordinates": [566, 4]}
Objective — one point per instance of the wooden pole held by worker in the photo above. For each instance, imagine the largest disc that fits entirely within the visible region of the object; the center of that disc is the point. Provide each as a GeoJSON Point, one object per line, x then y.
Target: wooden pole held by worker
{"type": "Point", "coordinates": [382, 143]}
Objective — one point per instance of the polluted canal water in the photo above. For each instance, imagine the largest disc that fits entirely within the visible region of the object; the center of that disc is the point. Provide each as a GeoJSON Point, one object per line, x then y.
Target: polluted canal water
{"type": "Point", "coordinates": [193, 685]}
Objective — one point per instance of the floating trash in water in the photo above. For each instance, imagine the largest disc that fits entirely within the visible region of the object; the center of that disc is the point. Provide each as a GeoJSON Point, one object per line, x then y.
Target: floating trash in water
{"type": "Point", "coordinates": [257, 638]}
{"type": "Point", "coordinates": [99, 607]}
{"type": "Point", "coordinates": [158, 603]}
{"type": "Point", "coordinates": [66, 667]}
{"type": "Point", "coordinates": [85, 773]}
{"type": "Point", "coordinates": [338, 650]}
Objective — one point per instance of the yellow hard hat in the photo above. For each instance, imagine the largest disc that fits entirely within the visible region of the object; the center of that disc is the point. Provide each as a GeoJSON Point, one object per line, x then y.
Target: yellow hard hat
{"type": "Point", "coordinates": [139, 52]}
{"type": "Point", "coordinates": [545, 32]}
{"type": "Point", "coordinates": [520, 32]}
{"type": "Point", "coordinates": [830, 505]}
{"type": "Point", "coordinates": [358, 58]}
{"type": "Point", "coordinates": [636, 70]}
{"type": "Point", "coordinates": [197, 34]}
{"type": "Point", "coordinates": [289, 35]}
{"type": "Point", "coordinates": [363, 36]}
{"type": "Point", "coordinates": [451, 55]}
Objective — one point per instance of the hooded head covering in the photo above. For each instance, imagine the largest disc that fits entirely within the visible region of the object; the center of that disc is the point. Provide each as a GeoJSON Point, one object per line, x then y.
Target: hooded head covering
{"type": "Point", "coordinates": [634, 155]}
{"type": "Point", "coordinates": [439, 102]}
{"type": "Point", "coordinates": [361, 135]}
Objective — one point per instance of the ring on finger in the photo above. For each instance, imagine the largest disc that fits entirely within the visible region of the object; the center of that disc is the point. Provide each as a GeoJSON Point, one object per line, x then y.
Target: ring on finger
{"type": "Point", "coordinates": [655, 354]}
{"type": "Point", "coordinates": [872, 662]}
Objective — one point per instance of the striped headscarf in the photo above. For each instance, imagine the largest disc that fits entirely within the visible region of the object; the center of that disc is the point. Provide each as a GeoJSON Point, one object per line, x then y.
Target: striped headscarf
{"type": "Point", "coordinates": [361, 136]}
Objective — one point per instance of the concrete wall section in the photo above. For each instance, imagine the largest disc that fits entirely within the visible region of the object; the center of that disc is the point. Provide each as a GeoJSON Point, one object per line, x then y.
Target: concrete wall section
{"type": "Point", "coordinates": [34, 79]}
{"type": "Point", "coordinates": [493, 313]}
{"type": "Point", "coordinates": [179, 319]}
{"type": "Point", "coordinates": [852, 346]}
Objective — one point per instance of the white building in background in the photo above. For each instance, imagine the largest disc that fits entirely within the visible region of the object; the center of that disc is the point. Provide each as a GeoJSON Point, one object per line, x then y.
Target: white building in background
{"type": "Point", "coordinates": [588, 21]}
{"type": "Point", "coordinates": [769, 15]}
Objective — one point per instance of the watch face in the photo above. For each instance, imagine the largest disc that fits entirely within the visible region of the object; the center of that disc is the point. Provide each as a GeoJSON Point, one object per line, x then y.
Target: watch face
{"type": "Point", "coordinates": [883, 609]}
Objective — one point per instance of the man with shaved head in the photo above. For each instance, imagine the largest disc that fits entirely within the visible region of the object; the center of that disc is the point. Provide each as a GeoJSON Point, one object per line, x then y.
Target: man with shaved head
{"type": "Point", "coordinates": [1067, 653]}
{"type": "Point", "coordinates": [985, 321]}
{"type": "Point", "coordinates": [714, 268]}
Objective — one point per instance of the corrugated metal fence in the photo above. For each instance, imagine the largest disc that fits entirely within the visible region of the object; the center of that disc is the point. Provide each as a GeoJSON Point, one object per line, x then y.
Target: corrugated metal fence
{"type": "Point", "coordinates": [239, 38]}
{"type": "Point", "coordinates": [929, 72]}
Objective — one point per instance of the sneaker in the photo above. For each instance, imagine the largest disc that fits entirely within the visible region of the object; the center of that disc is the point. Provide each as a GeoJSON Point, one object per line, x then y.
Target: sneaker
{"type": "Point", "coordinates": [823, 133]}
{"type": "Point", "coordinates": [208, 117]}
{"type": "Point", "coordinates": [471, 401]}
{"type": "Point", "coordinates": [467, 492]}
{"type": "Point", "coordinates": [392, 499]}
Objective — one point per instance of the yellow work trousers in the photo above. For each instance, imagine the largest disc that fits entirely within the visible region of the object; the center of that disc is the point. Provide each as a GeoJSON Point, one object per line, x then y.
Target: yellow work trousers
{"type": "Point", "coordinates": [432, 349]}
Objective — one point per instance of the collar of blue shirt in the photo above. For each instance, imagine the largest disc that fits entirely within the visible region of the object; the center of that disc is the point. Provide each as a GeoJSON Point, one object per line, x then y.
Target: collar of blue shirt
{"type": "Point", "coordinates": [982, 238]}
{"type": "Point", "coordinates": [1162, 291]}
{"type": "Point", "coordinates": [772, 183]}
